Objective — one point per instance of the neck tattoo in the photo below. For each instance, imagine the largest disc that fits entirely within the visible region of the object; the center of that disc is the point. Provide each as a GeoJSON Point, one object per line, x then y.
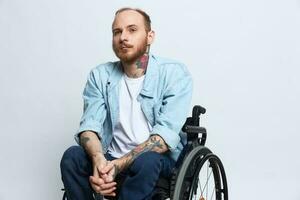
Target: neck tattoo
{"type": "Point", "coordinates": [142, 62]}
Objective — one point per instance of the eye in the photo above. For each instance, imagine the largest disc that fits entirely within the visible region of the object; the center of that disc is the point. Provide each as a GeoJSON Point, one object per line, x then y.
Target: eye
{"type": "Point", "coordinates": [116, 32]}
{"type": "Point", "coordinates": [132, 30]}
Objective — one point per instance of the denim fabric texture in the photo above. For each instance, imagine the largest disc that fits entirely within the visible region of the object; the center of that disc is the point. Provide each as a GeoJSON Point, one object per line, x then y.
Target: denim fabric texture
{"type": "Point", "coordinates": [137, 182]}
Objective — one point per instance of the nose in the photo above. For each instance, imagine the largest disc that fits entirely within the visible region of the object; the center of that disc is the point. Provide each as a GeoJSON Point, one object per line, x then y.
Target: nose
{"type": "Point", "coordinates": [124, 36]}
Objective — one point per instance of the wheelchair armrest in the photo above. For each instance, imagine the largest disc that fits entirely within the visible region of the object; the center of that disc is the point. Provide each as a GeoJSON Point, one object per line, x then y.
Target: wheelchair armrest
{"type": "Point", "coordinates": [194, 129]}
{"type": "Point", "coordinates": [193, 134]}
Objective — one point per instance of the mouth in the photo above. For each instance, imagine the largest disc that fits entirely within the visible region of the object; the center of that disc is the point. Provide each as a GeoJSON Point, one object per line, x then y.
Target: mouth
{"type": "Point", "coordinates": [125, 49]}
{"type": "Point", "coordinates": [125, 46]}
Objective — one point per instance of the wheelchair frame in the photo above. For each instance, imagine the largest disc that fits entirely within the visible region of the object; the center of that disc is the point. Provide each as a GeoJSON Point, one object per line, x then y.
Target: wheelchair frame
{"type": "Point", "coordinates": [193, 156]}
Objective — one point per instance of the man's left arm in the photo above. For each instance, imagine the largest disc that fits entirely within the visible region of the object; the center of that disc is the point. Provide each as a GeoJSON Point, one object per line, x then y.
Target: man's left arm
{"type": "Point", "coordinates": [154, 143]}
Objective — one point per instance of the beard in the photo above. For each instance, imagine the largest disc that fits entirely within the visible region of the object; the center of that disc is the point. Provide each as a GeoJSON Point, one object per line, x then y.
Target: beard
{"type": "Point", "coordinates": [129, 57]}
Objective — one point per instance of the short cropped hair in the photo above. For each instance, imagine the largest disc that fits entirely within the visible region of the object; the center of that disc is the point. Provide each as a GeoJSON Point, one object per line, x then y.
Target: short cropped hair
{"type": "Point", "coordinates": [147, 19]}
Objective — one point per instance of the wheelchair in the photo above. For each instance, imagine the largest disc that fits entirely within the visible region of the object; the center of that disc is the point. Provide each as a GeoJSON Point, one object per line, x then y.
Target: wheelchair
{"type": "Point", "coordinates": [199, 174]}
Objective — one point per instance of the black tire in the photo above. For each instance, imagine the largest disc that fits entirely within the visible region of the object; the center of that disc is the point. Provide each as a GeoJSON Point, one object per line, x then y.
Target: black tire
{"type": "Point", "coordinates": [201, 160]}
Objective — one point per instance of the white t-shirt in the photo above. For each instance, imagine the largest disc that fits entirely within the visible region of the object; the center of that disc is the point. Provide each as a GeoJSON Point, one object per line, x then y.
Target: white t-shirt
{"type": "Point", "coordinates": [133, 127]}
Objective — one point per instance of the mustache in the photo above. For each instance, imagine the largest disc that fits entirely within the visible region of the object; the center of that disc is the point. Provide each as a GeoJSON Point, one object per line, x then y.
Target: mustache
{"type": "Point", "coordinates": [126, 45]}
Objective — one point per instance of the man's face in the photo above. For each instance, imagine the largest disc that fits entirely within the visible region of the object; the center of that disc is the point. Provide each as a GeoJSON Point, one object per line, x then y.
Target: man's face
{"type": "Point", "coordinates": [130, 38]}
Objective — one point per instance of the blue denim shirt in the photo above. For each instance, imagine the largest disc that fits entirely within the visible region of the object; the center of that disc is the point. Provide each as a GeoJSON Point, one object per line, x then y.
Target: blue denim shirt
{"type": "Point", "coordinates": [165, 100]}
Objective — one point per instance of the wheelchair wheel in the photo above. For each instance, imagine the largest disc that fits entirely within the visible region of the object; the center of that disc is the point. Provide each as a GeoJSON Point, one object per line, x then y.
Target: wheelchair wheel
{"type": "Point", "coordinates": [201, 177]}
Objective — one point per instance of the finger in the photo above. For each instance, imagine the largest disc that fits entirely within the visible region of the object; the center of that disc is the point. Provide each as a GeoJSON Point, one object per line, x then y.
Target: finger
{"type": "Point", "coordinates": [108, 191]}
{"type": "Point", "coordinates": [95, 172]}
{"type": "Point", "coordinates": [108, 185]}
{"type": "Point", "coordinates": [107, 168]}
{"type": "Point", "coordinates": [113, 194]}
{"type": "Point", "coordinates": [96, 188]}
{"type": "Point", "coordinates": [96, 180]}
{"type": "Point", "coordinates": [111, 175]}
{"type": "Point", "coordinates": [108, 178]}
{"type": "Point", "coordinates": [104, 177]}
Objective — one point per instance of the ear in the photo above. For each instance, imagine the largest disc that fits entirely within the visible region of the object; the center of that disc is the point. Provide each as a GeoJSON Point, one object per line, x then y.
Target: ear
{"type": "Point", "coordinates": [150, 37]}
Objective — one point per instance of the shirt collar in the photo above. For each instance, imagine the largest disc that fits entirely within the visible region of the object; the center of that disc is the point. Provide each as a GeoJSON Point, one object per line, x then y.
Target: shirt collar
{"type": "Point", "coordinates": [150, 77]}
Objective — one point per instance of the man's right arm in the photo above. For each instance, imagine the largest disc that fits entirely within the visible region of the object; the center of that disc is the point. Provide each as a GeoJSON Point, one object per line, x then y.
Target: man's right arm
{"type": "Point", "coordinates": [90, 130]}
{"type": "Point", "coordinates": [92, 145]}
{"type": "Point", "coordinates": [94, 114]}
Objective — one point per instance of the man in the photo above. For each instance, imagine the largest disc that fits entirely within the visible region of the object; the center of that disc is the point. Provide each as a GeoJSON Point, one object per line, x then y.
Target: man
{"type": "Point", "coordinates": [133, 113]}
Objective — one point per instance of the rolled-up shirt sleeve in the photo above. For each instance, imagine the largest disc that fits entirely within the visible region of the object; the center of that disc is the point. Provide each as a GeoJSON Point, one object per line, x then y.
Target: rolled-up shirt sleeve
{"type": "Point", "coordinates": [94, 109]}
{"type": "Point", "coordinates": [175, 105]}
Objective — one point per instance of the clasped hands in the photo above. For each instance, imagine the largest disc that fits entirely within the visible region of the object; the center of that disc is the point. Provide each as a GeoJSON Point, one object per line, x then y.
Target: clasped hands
{"type": "Point", "coordinates": [104, 173]}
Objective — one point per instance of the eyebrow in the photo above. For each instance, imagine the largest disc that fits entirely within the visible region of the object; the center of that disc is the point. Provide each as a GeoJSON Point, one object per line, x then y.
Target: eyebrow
{"type": "Point", "coordinates": [129, 26]}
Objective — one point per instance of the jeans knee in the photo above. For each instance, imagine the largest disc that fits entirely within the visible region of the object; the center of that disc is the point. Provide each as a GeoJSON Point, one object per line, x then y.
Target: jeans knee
{"type": "Point", "coordinates": [148, 160]}
{"type": "Point", "coordinates": [150, 157]}
{"type": "Point", "coordinates": [70, 156]}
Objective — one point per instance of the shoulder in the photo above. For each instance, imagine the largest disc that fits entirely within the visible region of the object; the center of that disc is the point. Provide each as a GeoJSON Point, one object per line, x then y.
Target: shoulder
{"type": "Point", "coordinates": [104, 69]}
{"type": "Point", "coordinates": [99, 75]}
{"type": "Point", "coordinates": [102, 72]}
{"type": "Point", "coordinates": [171, 66]}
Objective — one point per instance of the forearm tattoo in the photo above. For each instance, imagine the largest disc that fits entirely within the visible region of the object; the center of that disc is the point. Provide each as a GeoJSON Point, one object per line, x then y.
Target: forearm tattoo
{"type": "Point", "coordinates": [84, 140]}
{"type": "Point", "coordinates": [154, 143]}
{"type": "Point", "coordinates": [88, 148]}
{"type": "Point", "coordinates": [117, 171]}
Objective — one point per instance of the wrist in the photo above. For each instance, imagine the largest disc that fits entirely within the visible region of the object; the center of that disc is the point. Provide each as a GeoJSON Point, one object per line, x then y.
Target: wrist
{"type": "Point", "coordinates": [98, 157]}
{"type": "Point", "coordinates": [120, 163]}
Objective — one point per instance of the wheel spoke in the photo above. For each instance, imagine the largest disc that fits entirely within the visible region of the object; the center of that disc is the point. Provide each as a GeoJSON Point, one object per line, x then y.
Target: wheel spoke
{"type": "Point", "coordinates": [199, 182]}
{"type": "Point", "coordinates": [202, 188]}
{"type": "Point", "coordinates": [206, 179]}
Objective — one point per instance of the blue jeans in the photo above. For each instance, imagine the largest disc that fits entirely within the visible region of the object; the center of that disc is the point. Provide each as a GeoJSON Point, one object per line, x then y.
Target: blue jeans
{"type": "Point", "coordinates": [138, 181]}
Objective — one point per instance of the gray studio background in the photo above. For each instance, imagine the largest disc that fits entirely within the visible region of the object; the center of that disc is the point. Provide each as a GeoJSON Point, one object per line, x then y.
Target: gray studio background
{"type": "Point", "coordinates": [243, 56]}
